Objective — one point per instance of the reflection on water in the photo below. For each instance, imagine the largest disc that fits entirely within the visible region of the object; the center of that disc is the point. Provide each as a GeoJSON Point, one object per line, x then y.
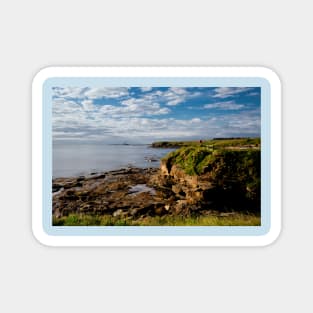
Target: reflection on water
{"type": "Point", "coordinates": [81, 159]}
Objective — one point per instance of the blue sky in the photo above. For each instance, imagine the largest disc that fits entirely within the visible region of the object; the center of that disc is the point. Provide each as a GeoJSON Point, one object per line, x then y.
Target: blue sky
{"type": "Point", "coordinates": [146, 114]}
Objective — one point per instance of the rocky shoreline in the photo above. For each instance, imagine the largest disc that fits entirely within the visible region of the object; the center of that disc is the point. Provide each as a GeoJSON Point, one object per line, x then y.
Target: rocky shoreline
{"type": "Point", "coordinates": [117, 193]}
{"type": "Point", "coordinates": [130, 192]}
{"type": "Point", "coordinates": [137, 193]}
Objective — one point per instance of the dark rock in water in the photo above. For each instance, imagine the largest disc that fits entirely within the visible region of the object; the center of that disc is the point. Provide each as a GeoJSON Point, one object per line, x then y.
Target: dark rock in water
{"type": "Point", "coordinates": [152, 159]}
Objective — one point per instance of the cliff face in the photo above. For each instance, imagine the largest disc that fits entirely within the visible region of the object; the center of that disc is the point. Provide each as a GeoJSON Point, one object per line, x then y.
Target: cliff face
{"type": "Point", "coordinates": [201, 179]}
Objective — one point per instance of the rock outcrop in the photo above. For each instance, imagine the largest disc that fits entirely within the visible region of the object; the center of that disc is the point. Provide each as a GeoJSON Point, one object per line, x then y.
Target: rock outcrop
{"type": "Point", "coordinates": [201, 179]}
{"type": "Point", "coordinates": [187, 192]}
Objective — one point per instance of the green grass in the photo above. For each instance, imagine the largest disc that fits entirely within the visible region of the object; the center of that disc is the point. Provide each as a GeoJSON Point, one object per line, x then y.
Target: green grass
{"type": "Point", "coordinates": [214, 143]}
{"type": "Point", "coordinates": [194, 160]}
{"type": "Point", "coordinates": [237, 219]}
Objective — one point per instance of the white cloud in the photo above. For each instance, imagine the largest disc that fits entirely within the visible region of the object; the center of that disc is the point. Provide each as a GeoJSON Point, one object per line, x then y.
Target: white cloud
{"type": "Point", "coordinates": [90, 93]}
{"type": "Point", "coordinates": [142, 107]}
{"type": "Point", "coordinates": [74, 114]}
{"type": "Point", "coordinates": [61, 105]}
{"type": "Point", "coordinates": [226, 105]}
{"type": "Point", "coordinates": [88, 105]}
{"type": "Point", "coordinates": [196, 120]}
{"type": "Point", "coordinates": [171, 96]}
{"type": "Point", "coordinates": [108, 92]}
{"type": "Point", "coordinates": [69, 92]}
{"type": "Point", "coordinates": [174, 96]}
{"type": "Point", "coordinates": [226, 92]}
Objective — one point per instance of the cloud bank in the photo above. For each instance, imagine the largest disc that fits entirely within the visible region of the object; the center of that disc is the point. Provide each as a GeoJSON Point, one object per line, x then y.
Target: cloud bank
{"type": "Point", "coordinates": [146, 114]}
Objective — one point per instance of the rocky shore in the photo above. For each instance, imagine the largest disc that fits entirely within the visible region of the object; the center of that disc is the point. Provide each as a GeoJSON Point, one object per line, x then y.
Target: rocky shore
{"type": "Point", "coordinates": [137, 193]}
{"type": "Point", "coordinates": [131, 192]}
{"type": "Point", "coordinates": [117, 193]}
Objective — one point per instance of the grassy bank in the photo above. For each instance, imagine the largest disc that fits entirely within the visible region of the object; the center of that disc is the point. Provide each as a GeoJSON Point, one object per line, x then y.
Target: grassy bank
{"type": "Point", "coordinates": [236, 219]}
{"type": "Point", "coordinates": [228, 169]}
{"type": "Point", "coordinates": [213, 143]}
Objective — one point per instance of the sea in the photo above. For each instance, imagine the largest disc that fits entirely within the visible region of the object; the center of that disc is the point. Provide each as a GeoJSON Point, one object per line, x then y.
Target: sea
{"type": "Point", "coordinates": [83, 159]}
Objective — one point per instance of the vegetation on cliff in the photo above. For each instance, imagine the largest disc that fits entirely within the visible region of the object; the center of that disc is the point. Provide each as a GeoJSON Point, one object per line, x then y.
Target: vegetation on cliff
{"type": "Point", "coordinates": [233, 171]}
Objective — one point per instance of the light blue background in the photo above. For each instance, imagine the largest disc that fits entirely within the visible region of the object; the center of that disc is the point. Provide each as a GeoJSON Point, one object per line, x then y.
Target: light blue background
{"type": "Point", "coordinates": [156, 230]}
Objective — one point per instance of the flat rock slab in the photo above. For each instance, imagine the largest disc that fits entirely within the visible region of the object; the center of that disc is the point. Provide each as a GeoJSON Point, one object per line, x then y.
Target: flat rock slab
{"type": "Point", "coordinates": [113, 193]}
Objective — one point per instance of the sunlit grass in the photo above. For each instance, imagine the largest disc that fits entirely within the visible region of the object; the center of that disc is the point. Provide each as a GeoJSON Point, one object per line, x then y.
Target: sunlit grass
{"type": "Point", "coordinates": [236, 219]}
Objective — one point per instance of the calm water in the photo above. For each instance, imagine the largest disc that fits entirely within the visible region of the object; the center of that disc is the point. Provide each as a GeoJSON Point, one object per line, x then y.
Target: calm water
{"type": "Point", "coordinates": [73, 160]}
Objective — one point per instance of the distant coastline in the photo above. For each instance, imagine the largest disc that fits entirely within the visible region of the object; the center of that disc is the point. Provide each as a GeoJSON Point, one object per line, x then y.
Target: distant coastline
{"type": "Point", "coordinates": [217, 142]}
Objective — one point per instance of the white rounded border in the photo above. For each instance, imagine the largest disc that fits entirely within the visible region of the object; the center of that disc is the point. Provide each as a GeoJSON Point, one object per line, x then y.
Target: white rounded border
{"type": "Point", "coordinates": [37, 183]}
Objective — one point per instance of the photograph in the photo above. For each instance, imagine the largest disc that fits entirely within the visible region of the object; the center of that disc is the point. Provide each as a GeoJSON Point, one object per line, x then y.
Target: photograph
{"type": "Point", "coordinates": [156, 156]}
